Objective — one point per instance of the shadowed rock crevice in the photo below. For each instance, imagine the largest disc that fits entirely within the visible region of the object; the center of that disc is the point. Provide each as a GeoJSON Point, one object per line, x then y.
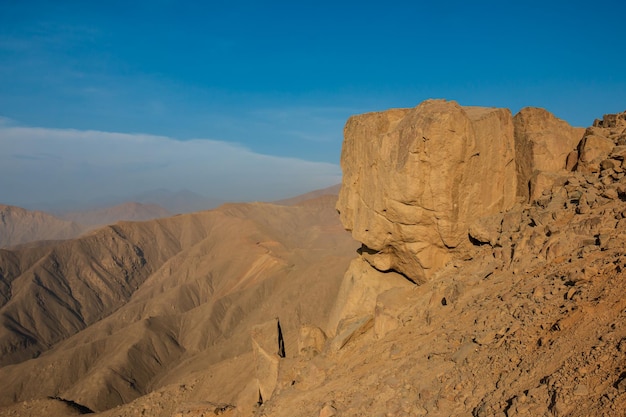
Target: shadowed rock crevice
{"type": "Point", "coordinates": [370, 255]}
{"type": "Point", "coordinates": [281, 340]}
{"type": "Point", "coordinates": [76, 406]}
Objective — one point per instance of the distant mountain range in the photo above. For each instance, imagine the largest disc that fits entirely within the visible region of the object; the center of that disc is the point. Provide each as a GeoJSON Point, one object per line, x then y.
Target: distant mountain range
{"type": "Point", "coordinates": [180, 201]}
{"type": "Point", "coordinates": [332, 190]}
{"type": "Point", "coordinates": [128, 211]}
{"type": "Point", "coordinates": [20, 226]}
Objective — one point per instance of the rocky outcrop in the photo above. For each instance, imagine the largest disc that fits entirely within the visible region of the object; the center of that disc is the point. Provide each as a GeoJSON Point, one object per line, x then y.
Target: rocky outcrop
{"type": "Point", "coordinates": [423, 185]}
{"type": "Point", "coordinates": [542, 145]}
{"type": "Point", "coordinates": [268, 348]}
{"type": "Point", "coordinates": [414, 180]}
{"type": "Point", "coordinates": [603, 146]}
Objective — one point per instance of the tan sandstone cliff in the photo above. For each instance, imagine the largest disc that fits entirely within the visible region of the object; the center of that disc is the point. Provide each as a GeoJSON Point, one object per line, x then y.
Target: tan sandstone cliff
{"type": "Point", "coordinates": [421, 184]}
{"type": "Point", "coordinates": [415, 179]}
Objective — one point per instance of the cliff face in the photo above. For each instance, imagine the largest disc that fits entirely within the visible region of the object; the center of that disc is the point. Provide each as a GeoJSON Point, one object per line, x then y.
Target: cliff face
{"type": "Point", "coordinates": [542, 145]}
{"type": "Point", "coordinates": [416, 180]}
{"type": "Point", "coordinates": [421, 186]}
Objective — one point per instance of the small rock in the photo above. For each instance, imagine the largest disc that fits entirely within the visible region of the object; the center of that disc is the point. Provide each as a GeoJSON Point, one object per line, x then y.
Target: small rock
{"type": "Point", "coordinates": [581, 390]}
{"type": "Point", "coordinates": [610, 193]}
{"type": "Point", "coordinates": [328, 410]}
{"type": "Point", "coordinates": [607, 164]}
{"type": "Point", "coordinates": [583, 208]}
{"type": "Point", "coordinates": [571, 293]}
{"type": "Point", "coordinates": [485, 338]}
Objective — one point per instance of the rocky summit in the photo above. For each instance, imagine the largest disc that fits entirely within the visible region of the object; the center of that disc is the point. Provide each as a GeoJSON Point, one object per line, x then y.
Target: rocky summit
{"type": "Point", "coordinates": [489, 282]}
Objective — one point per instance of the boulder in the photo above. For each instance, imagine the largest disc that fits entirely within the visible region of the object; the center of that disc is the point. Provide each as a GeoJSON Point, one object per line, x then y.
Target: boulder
{"type": "Point", "coordinates": [311, 341]}
{"type": "Point", "coordinates": [592, 150]}
{"type": "Point", "coordinates": [361, 286]}
{"type": "Point", "coordinates": [415, 179]}
{"type": "Point", "coordinates": [611, 120]}
{"type": "Point", "coordinates": [543, 142]}
{"type": "Point", "coordinates": [266, 346]}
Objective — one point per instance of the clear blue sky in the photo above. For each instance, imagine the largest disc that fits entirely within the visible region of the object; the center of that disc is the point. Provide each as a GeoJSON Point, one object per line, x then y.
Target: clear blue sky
{"type": "Point", "coordinates": [280, 78]}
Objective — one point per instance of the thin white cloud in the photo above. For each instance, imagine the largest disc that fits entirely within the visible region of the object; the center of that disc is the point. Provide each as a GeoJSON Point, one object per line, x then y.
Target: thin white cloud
{"type": "Point", "coordinates": [50, 165]}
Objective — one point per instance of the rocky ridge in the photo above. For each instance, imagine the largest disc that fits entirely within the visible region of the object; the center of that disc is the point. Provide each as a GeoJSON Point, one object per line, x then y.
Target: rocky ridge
{"type": "Point", "coordinates": [19, 226]}
{"type": "Point", "coordinates": [131, 211]}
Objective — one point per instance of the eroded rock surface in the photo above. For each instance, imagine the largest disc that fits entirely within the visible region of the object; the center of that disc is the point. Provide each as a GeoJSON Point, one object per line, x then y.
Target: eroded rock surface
{"type": "Point", "coordinates": [420, 184]}
{"type": "Point", "coordinates": [542, 144]}
{"type": "Point", "coordinates": [530, 321]}
{"type": "Point", "coordinates": [414, 179]}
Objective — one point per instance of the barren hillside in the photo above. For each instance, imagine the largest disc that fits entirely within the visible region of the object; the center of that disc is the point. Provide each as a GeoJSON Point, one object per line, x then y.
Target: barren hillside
{"type": "Point", "coordinates": [130, 211]}
{"type": "Point", "coordinates": [18, 226]}
{"type": "Point", "coordinates": [113, 315]}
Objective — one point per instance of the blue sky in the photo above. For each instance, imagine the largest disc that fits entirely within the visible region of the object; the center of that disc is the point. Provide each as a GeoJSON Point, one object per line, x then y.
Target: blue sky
{"type": "Point", "coordinates": [273, 80]}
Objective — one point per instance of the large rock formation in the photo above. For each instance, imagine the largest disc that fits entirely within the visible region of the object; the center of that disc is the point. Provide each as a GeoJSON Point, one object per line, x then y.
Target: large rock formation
{"type": "Point", "coordinates": [421, 185]}
{"type": "Point", "coordinates": [415, 179]}
{"type": "Point", "coordinates": [527, 320]}
{"type": "Point", "coordinates": [542, 144]}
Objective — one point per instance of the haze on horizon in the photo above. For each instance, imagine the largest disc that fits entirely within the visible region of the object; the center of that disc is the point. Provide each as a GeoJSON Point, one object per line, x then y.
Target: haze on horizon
{"type": "Point", "coordinates": [247, 101]}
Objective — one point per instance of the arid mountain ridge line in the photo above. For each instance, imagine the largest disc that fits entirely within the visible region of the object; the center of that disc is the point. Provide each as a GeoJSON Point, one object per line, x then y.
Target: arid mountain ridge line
{"type": "Point", "coordinates": [19, 226]}
{"type": "Point", "coordinates": [512, 225]}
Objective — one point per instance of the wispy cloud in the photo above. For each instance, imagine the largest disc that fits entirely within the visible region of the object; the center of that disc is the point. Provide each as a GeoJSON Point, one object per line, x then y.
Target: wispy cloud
{"type": "Point", "coordinates": [48, 165]}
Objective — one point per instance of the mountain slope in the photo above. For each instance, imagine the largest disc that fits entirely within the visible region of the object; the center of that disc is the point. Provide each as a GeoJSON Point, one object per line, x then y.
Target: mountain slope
{"type": "Point", "coordinates": [455, 305]}
{"type": "Point", "coordinates": [130, 211]}
{"type": "Point", "coordinates": [18, 226]}
{"type": "Point", "coordinates": [132, 306]}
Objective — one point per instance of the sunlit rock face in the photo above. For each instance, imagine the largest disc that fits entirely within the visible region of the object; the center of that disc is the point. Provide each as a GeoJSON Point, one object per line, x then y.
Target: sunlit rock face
{"type": "Point", "coordinates": [542, 145]}
{"type": "Point", "coordinates": [415, 179]}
